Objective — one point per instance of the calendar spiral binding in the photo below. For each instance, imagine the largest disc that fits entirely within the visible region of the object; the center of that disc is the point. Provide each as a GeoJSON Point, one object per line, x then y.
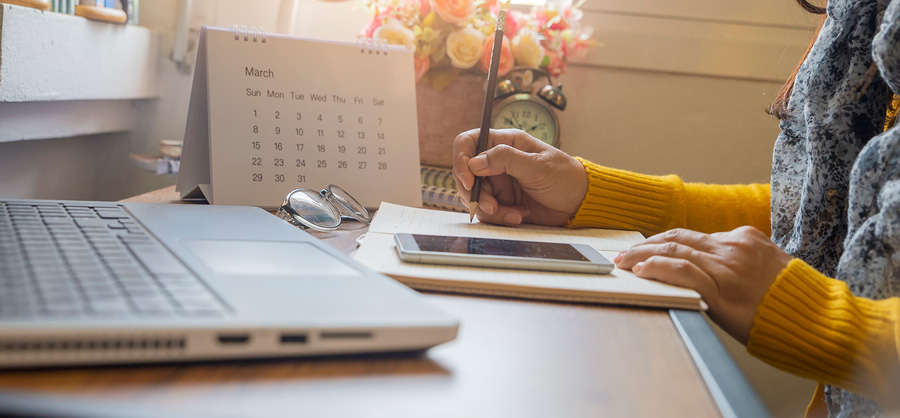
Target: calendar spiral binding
{"type": "Point", "coordinates": [372, 46]}
{"type": "Point", "coordinates": [249, 33]}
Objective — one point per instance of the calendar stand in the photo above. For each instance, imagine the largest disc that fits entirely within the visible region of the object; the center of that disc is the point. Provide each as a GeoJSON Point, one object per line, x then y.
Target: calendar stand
{"type": "Point", "coordinates": [272, 113]}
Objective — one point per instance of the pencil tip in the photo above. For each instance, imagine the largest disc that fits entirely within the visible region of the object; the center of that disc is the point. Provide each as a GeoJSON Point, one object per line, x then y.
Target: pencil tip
{"type": "Point", "coordinates": [472, 207]}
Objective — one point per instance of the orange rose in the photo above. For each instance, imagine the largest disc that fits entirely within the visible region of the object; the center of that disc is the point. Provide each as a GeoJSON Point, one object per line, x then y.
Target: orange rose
{"type": "Point", "coordinates": [424, 8]}
{"type": "Point", "coordinates": [422, 64]}
{"type": "Point", "coordinates": [454, 11]}
{"type": "Point", "coordinates": [506, 56]}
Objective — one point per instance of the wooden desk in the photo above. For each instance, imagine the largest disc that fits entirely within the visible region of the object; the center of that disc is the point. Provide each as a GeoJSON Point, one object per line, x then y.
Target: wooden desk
{"type": "Point", "coordinates": [512, 358]}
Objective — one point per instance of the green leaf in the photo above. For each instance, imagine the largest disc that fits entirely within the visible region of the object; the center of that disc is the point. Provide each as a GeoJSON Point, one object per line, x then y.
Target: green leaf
{"type": "Point", "coordinates": [440, 51]}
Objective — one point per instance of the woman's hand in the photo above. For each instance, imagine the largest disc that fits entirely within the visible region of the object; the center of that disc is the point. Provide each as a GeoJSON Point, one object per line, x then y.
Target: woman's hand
{"type": "Point", "coordinates": [732, 271]}
{"type": "Point", "coordinates": [524, 179]}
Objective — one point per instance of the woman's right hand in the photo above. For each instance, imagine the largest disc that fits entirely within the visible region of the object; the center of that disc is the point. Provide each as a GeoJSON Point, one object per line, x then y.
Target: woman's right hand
{"type": "Point", "coordinates": [525, 179]}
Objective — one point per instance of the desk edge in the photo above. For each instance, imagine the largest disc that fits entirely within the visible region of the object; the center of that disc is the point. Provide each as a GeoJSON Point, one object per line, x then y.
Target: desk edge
{"type": "Point", "coordinates": [726, 383]}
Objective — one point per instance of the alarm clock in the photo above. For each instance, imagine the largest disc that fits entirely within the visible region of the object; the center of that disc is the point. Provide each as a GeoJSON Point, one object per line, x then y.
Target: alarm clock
{"type": "Point", "coordinates": [520, 108]}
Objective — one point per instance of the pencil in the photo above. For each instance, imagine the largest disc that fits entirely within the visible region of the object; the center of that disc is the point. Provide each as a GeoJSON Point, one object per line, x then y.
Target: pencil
{"type": "Point", "coordinates": [488, 104]}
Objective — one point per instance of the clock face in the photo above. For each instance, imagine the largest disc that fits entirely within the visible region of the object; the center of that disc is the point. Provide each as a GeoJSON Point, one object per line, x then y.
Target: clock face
{"type": "Point", "coordinates": [524, 112]}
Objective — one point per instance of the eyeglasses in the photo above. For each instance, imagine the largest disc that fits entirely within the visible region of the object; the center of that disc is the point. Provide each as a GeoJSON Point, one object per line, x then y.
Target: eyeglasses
{"type": "Point", "coordinates": [321, 211]}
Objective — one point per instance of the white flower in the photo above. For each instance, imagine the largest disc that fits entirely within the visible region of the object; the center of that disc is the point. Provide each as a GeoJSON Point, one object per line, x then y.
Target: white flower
{"type": "Point", "coordinates": [394, 33]}
{"type": "Point", "coordinates": [527, 79]}
{"type": "Point", "coordinates": [527, 49]}
{"type": "Point", "coordinates": [464, 47]}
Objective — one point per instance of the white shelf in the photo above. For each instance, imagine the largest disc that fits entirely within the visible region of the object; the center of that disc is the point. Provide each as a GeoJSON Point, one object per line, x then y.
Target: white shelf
{"type": "Point", "coordinates": [47, 56]}
{"type": "Point", "coordinates": [45, 120]}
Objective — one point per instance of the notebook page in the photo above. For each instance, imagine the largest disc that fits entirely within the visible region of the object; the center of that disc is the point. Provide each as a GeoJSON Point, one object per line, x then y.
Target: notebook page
{"type": "Point", "coordinates": [392, 219]}
{"type": "Point", "coordinates": [378, 253]}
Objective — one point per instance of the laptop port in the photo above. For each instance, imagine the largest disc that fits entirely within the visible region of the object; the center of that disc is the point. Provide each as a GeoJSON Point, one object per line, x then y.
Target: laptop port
{"type": "Point", "coordinates": [350, 335]}
{"type": "Point", "coordinates": [293, 338]}
{"type": "Point", "coordinates": [234, 339]}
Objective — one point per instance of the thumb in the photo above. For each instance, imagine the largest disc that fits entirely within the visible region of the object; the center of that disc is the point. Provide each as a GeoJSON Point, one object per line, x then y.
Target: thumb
{"type": "Point", "coordinates": [504, 159]}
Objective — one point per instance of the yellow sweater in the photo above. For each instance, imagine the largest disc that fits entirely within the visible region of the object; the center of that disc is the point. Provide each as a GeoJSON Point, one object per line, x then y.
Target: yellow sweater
{"type": "Point", "coordinates": [808, 324]}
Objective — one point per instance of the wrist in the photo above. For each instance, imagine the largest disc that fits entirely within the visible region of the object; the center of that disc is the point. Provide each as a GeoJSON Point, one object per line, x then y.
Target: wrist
{"type": "Point", "coordinates": [620, 199]}
{"type": "Point", "coordinates": [579, 188]}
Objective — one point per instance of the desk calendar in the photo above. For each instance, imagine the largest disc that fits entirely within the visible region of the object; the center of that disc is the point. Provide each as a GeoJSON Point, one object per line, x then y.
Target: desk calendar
{"type": "Point", "coordinates": [271, 113]}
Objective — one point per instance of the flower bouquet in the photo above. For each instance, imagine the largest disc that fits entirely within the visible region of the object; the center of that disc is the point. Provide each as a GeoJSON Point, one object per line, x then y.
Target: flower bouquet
{"type": "Point", "coordinates": [449, 37]}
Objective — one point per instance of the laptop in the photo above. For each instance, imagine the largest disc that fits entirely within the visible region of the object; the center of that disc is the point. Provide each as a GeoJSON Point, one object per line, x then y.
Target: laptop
{"type": "Point", "coordinates": [102, 283]}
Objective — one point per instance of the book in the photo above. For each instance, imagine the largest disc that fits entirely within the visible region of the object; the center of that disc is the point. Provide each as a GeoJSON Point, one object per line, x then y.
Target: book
{"type": "Point", "coordinates": [619, 287]}
{"type": "Point", "coordinates": [270, 113]}
{"type": "Point", "coordinates": [439, 189]}
{"type": "Point", "coordinates": [442, 198]}
{"type": "Point", "coordinates": [155, 164]}
{"type": "Point", "coordinates": [438, 176]}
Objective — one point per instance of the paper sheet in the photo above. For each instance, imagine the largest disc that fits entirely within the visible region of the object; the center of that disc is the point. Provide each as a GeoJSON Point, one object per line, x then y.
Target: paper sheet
{"type": "Point", "coordinates": [377, 252]}
{"type": "Point", "coordinates": [393, 218]}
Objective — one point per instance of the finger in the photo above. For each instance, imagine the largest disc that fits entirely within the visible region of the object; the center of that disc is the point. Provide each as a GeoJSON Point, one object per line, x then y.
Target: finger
{"type": "Point", "coordinates": [628, 258]}
{"type": "Point", "coordinates": [678, 272]}
{"type": "Point", "coordinates": [463, 194]}
{"type": "Point", "coordinates": [503, 188]}
{"type": "Point", "coordinates": [505, 159]}
{"type": "Point", "coordinates": [463, 150]}
{"type": "Point", "coordinates": [515, 138]}
{"type": "Point", "coordinates": [487, 203]}
{"type": "Point", "coordinates": [504, 215]}
{"type": "Point", "coordinates": [693, 239]}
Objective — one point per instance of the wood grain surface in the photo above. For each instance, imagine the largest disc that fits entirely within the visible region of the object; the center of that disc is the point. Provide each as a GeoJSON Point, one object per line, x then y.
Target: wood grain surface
{"type": "Point", "coordinates": [512, 358]}
{"type": "Point", "coordinates": [36, 4]}
{"type": "Point", "coordinates": [101, 13]}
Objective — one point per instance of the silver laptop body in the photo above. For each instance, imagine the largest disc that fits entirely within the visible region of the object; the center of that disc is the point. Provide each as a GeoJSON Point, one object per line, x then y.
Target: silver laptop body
{"type": "Point", "coordinates": [103, 283]}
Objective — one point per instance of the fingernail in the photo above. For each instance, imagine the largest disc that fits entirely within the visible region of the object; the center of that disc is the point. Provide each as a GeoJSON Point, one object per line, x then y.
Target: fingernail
{"type": "Point", "coordinates": [478, 163]}
{"type": "Point", "coordinates": [637, 267]}
{"type": "Point", "coordinates": [486, 207]}
{"type": "Point", "coordinates": [462, 179]}
{"type": "Point", "coordinates": [618, 258]}
{"type": "Point", "coordinates": [512, 218]}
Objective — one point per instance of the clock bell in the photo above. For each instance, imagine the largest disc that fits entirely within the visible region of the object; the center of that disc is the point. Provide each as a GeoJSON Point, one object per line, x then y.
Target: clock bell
{"type": "Point", "coordinates": [523, 107]}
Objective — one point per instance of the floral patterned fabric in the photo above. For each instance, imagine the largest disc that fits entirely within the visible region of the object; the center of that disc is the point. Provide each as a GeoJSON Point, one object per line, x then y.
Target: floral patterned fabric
{"type": "Point", "coordinates": [836, 172]}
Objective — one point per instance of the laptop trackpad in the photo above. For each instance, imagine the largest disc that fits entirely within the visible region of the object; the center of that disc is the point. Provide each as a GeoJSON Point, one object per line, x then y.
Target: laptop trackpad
{"type": "Point", "coordinates": [268, 258]}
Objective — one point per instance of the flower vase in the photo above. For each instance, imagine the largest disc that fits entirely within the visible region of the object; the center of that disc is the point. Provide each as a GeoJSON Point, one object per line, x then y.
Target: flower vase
{"type": "Point", "coordinates": [444, 114]}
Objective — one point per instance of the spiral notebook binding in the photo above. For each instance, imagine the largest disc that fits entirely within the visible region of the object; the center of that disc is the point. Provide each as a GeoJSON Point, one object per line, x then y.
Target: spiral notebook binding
{"type": "Point", "coordinates": [372, 46]}
{"type": "Point", "coordinates": [249, 33]}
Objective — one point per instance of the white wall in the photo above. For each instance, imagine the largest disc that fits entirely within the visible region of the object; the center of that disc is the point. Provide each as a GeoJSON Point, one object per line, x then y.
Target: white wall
{"type": "Point", "coordinates": [98, 166]}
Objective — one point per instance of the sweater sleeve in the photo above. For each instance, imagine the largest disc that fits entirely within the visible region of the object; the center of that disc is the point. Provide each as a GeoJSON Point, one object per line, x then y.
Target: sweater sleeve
{"type": "Point", "coordinates": [619, 199]}
{"type": "Point", "coordinates": [813, 326]}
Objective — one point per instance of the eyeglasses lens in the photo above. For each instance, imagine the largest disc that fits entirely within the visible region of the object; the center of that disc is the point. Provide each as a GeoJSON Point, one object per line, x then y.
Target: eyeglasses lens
{"type": "Point", "coordinates": [347, 202]}
{"type": "Point", "coordinates": [314, 209]}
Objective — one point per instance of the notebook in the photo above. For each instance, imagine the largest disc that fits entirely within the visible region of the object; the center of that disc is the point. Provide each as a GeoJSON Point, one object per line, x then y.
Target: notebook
{"type": "Point", "coordinates": [272, 113]}
{"type": "Point", "coordinates": [439, 189]}
{"type": "Point", "coordinates": [620, 287]}
{"type": "Point", "coordinates": [102, 283]}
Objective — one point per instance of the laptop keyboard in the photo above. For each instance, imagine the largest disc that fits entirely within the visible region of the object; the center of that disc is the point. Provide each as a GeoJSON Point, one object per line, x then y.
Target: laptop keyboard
{"type": "Point", "coordinates": [90, 260]}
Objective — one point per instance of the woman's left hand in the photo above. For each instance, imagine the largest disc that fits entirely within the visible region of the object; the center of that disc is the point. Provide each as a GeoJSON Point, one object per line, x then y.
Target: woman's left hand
{"type": "Point", "coordinates": [732, 270]}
